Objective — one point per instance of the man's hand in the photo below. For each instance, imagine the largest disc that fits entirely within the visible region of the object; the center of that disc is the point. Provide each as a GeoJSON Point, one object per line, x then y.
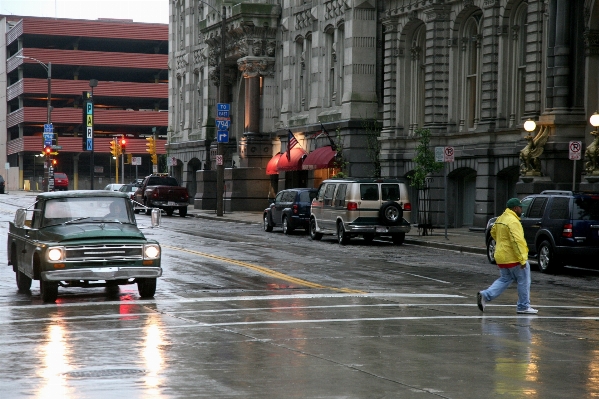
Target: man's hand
{"type": "Point", "coordinates": [524, 265]}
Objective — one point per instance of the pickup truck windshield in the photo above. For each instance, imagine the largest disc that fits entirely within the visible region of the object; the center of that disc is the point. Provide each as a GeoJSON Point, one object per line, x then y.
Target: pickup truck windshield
{"type": "Point", "coordinates": [84, 210]}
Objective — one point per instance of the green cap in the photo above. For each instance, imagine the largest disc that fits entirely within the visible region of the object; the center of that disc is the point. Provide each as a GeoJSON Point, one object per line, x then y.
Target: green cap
{"type": "Point", "coordinates": [512, 202]}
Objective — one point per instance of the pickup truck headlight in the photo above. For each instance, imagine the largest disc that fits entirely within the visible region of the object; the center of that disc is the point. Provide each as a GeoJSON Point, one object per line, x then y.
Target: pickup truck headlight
{"type": "Point", "coordinates": [151, 251]}
{"type": "Point", "coordinates": [56, 254]}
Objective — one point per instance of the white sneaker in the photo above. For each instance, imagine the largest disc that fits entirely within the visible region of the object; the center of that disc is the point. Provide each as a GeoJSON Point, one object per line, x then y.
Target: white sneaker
{"type": "Point", "coordinates": [528, 311]}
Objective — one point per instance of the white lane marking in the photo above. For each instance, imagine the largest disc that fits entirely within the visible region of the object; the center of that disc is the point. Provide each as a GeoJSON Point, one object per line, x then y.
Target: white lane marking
{"type": "Point", "coordinates": [426, 278]}
{"type": "Point", "coordinates": [233, 298]}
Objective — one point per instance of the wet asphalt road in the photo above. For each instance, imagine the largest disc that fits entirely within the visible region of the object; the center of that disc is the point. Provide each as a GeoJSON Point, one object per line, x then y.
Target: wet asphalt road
{"type": "Point", "coordinates": [241, 313]}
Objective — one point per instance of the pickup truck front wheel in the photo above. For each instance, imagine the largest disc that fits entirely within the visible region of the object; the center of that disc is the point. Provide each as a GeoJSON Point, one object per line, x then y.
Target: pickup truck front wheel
{"type": "Point", "coordinates": [148, 208]}
{"type": "Point", "coordinates": [183, 212]}
{"type": "Point", "coordinates": [23, 282]}
{"type": "Point", "coordinates": [48, 291]}
{"type": "Point", "coordinates": [146, 287]}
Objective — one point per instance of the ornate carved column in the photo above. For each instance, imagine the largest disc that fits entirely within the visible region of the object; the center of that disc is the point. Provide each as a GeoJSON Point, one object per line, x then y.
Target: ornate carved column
{"type": "Point", "coordinates": [254, 149]}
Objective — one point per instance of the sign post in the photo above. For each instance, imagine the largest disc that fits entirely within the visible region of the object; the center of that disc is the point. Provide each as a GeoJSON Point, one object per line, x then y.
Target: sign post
{"type": "Point", "coordinates": [445, 155]}
{"type": "Point", "coordinates": [223, 122]}
{"type": "Point", "coordinates": [575, 149]}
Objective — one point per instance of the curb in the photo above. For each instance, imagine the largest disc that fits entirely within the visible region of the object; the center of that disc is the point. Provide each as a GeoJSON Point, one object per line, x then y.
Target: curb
{"type": "Point", "coordinates": [452, 247]}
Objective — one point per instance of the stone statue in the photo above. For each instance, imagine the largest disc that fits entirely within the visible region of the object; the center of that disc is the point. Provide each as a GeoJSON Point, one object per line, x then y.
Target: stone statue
{"type": "Point", "coordinates": [530, 165]}
{"type": "Point", "coordinates": [591, 154]}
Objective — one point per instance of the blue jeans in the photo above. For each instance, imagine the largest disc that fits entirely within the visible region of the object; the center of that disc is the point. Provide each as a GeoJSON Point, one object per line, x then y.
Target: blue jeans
{"type": "Point", "coordinates": [517, 274]}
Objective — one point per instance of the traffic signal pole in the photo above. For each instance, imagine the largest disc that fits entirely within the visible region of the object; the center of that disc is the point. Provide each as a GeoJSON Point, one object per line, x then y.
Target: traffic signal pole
{"type": "Point", "coordinates": [220, 169]}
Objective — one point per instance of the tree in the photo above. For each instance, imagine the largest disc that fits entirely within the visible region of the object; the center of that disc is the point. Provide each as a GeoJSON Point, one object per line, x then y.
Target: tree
{"type": "Point", "coordinates": [373, 133]}
{"type": "Point", "coordinates": [424, 160]}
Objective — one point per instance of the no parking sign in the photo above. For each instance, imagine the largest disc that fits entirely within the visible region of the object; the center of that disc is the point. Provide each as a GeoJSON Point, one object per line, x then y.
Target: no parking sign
{"type": "Point", "coordinates": [575, 150]}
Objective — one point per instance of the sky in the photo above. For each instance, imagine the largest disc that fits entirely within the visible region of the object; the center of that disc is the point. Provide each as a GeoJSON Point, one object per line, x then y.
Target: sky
{"type": "Point", "coordinates": [153, 11]}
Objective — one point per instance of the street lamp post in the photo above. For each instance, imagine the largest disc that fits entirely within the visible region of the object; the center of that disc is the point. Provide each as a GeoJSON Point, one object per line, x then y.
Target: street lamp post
{"type": "Point", "coordinates": [48, 68]}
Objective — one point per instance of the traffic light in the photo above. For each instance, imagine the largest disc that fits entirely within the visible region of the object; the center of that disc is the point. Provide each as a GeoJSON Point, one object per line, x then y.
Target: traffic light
{"type": "Point", "coordinates": [151, 148]}
{"type": "Point", "coordinates": [54, 162]}
{"type": "Point", "coordinates": [114, 148]}
{"type": "Point", "coordinates": [128, 159]}
{"type": "Point", "coordinates": [47, 150]}
{"type": "Point", "coordinates": [123, 144]}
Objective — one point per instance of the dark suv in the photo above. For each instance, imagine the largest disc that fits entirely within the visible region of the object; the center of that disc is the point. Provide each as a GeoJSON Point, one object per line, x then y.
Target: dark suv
{"type": "Point", "coordinates": [560, 227]}
{"type": "Point", "coordinates": [290, 209]}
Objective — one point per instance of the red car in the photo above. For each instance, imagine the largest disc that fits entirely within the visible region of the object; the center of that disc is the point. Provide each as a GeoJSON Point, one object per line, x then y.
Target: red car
{"type": "Point", "coordinates": [61, 182]}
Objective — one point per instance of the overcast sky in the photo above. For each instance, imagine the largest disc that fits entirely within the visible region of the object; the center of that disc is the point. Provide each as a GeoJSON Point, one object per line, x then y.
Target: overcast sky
{"type": "Point", "coordinates": [155, 11]}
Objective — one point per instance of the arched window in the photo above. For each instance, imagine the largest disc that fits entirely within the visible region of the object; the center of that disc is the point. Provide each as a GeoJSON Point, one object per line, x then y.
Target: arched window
{"type": "Point", "coordinates": [416, 72]}
{"type": "Point", "coordinates": [300, 79]}
{"type": "Point", "coordinates": [331, 58]}
{"type": "Point", "coordinates": [470, 67]}
{"type": "Point", "coordinates": [340, 69]}
{"type": "Point", "coordinates": [518, 64]}
{"type": "Point", "coordinates": [307, 72]}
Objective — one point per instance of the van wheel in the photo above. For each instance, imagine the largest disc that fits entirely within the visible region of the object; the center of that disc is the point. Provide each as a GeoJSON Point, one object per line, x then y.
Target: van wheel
{"type": "Point", "coordinates": [314, 235]}
{"type": "Point", "coordinates": [48, 291]}
{"type": "Point", "coordinates": [266, 225]}
{"type": "Point", "coordinates": [546, 258]}
{"type": "Point", "coordinates": [398, 239]}
{"type": "Point", "coordinates": [342, 235]}
{"type": "Point", "coordinates": [391, 213]}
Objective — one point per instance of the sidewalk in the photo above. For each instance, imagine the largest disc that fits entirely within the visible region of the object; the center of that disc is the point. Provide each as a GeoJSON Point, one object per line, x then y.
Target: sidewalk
{"type": "Point", "coordinates": [459, 239]}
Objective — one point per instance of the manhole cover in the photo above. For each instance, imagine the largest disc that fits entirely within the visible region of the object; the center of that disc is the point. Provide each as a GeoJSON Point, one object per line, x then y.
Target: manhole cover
{"type": "Point", "coordinates": [103, 373]}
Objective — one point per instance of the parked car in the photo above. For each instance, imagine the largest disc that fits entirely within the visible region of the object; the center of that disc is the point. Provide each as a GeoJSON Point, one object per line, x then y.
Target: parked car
{"type": "Point", "coordinates": [81, 239]}
{"type": "Point", "coordinates": [129, 189]}
{"type": "Point", "coordinates": [113, 187]}
{"type": "Point", "coordinates": [61, 182]}
{"type": "Point", "coordinates": [290, 209]}
{"type": "Point", "coordinates": [560, 228]}
{"type": "Point", "coordinates": [361, 207]}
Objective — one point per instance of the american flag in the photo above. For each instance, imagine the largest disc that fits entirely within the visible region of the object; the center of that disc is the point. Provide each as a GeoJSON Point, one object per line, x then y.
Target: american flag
{"type": "Point", "coordinates": [291, 142]}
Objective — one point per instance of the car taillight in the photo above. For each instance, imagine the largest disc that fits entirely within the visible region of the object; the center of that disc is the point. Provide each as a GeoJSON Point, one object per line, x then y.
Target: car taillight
{"type": "Point", "coordinates": [407, 206]}
{"type": "Point", "coordinates": [567, 232]}
{"type": "Point", "coordinates": [352, 206]}
{"type": "Point", "coordinates": [295, 208]}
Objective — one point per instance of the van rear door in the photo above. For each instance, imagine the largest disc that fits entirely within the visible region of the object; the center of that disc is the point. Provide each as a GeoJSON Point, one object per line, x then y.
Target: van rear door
{"type": "Point", "coordinates": [369, 204]}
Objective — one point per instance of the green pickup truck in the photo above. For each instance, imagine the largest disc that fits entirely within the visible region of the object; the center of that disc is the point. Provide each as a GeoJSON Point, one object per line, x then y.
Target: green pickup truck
{"type": "Point", "coordinates": [82, 239]}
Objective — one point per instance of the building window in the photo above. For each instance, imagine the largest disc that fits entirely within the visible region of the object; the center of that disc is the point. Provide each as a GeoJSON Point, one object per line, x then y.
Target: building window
{"type": "Point", "coordinates": [300, 75]}
{"type": "Point", "coordinates": [470, 61]}
{"type": "Point", "coordinates": [307, 72]}
{"type": "Point", "coordinates": [331, 58]}
{"type": "Point", "coordinates": [340, 63]}
{"type": "Point", "coordinates": [416, 71]}
{"type": "Point", "coordinates": [518, 65]}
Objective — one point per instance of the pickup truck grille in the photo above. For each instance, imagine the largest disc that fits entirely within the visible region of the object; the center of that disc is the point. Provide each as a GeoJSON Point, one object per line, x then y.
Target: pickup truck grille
{"type": "Point", "coordinates": [103, 252]}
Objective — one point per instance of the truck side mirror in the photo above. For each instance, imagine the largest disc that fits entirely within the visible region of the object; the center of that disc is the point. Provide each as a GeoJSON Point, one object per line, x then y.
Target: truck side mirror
{"type": "Point", "coordinates": [156, 216]}
{"type": "Point", "coordinates": [20, 217]}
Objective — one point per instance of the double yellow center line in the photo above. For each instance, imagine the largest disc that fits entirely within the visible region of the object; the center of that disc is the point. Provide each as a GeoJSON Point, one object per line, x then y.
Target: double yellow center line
{"type": "Point", "coordinates": [265, 271]}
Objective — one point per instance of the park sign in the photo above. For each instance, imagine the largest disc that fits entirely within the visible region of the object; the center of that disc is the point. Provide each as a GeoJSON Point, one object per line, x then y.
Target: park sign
{"type": "Point", "coordinates": [88, 122]}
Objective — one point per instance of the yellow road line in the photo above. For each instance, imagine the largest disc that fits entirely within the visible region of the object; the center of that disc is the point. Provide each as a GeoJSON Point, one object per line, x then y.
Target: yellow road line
{"type": "Point", "coordinates": [266, 271]}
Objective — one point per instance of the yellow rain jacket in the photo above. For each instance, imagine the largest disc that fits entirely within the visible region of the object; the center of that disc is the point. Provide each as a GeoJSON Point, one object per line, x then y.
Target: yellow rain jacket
{"type": "Point", "coordinates": [511, 248]}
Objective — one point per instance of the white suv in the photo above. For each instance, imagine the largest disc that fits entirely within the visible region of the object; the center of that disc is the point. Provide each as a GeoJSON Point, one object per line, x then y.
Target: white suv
{"type": "Point", "coordinates": [365, 207]}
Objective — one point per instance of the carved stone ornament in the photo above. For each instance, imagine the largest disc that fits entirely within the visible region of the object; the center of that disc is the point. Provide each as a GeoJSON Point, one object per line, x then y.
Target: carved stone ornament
{"type": "Point", "coordinates": [530, 164]}
{"type": "Point", "coordinates": [591, 42]}
{"type": "Point", "coordinates": [251, 67]}
{"type": "Point", "coordinates": [591, 156]}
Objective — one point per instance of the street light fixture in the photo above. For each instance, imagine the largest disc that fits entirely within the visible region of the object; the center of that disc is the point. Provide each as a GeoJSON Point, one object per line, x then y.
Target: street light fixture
{"type": "Point", "coordinates": [530, 125]}
{"type": "Point", "coordinates": [48, 68]}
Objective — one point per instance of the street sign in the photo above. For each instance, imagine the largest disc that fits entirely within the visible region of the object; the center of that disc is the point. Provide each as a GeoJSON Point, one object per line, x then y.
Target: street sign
{"type": "Point", "coordinates": [48, 128]}
{"type": "Point", "coordinates": [439, 154]}
{"type": "Point", "coordinates": [136, 161]}
{"type": "Point", "coordinates": [222, 114]}
{"type": "Point", "coordinates": [88, 121]}
{"type": "Point", "coordinates": [171, 161]}
{"type": "Point", "coordinates": [219, 160]}
{"type": "Point", "coordinates": [575, 152]}
{"type": "Point", "coordinates": [448, 152]}
{"type": "Point", "coordinates": [56, 147]}
{"type": "Point", "coordinates": [48, 139]}
{"type": "Point", "coordinates": [223, 123]}
{"type": "Point", "coordinates": [223, 107]}
{"type": "Point", "coordinates": [222, 136]}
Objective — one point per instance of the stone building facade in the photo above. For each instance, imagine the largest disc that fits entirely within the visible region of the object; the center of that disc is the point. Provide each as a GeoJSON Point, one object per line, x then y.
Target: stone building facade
{"type": "Point", "coordinates": [470, 71]}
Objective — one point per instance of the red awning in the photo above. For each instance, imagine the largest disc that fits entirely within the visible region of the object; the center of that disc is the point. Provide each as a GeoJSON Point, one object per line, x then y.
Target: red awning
{"type": "Point", "coordinates": [320, 158]}
{"type": "Point", "coordinates": [295, 161]}
{"type": "Point", "coordinates": [271, 167]}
